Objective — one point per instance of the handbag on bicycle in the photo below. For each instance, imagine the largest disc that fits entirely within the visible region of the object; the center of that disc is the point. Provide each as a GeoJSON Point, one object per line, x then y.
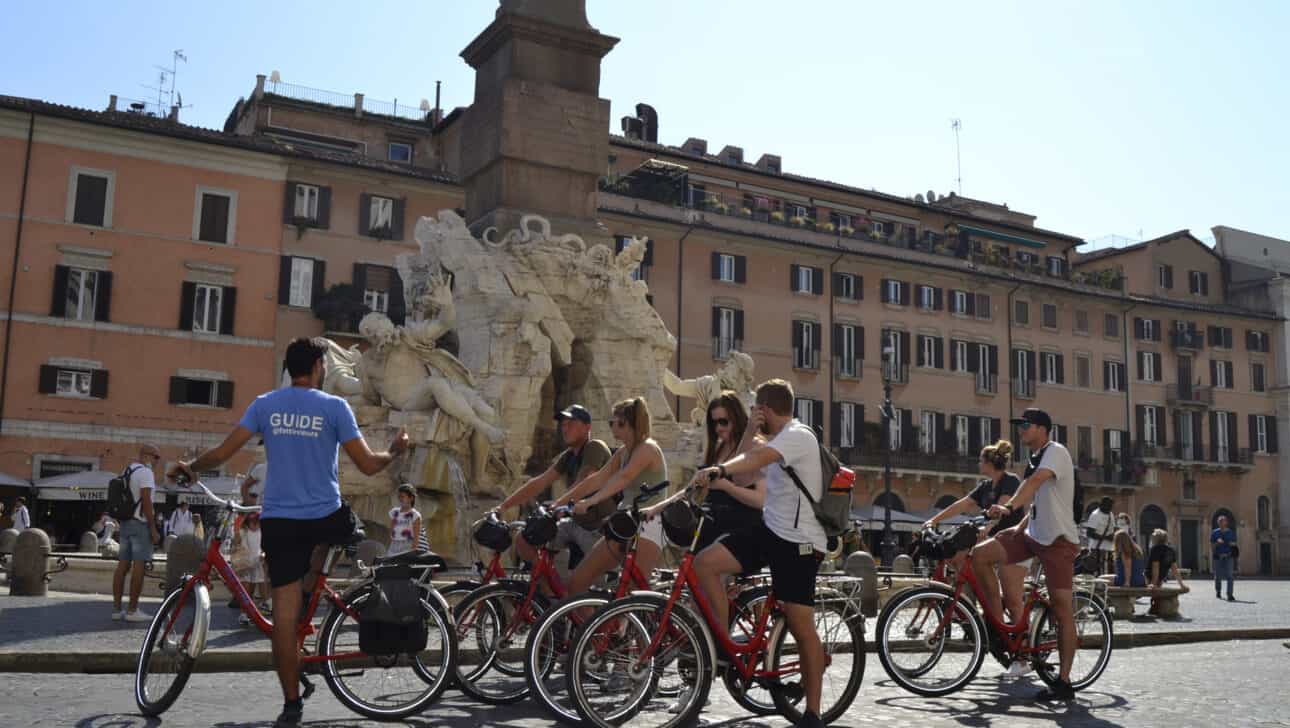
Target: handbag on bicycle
{"type": "Point", "coordinates": [392, 622]}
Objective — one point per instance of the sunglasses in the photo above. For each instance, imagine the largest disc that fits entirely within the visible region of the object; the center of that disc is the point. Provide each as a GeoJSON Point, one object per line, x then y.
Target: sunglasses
{"type": "Point", "coordinates": [1023, 426]}
{"type": "Point", "coordinates": [616, 423]}
{"type": "Point", "coordinates": [721, 422]}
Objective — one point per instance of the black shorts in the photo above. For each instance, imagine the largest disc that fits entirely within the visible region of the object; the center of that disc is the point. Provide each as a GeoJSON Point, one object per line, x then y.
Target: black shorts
{"type": "Point", "coordinates": [724, 523]}
{"type": "Point", "coordinates": [289, 543]}
{"type": "Point", "coordinates": [792, 573]}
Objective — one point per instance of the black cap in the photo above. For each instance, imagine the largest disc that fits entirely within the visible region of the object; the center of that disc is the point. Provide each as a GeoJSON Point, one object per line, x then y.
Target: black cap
{"type": "Point", "coordinates": [577, 412]}
{"type": "Point", "coordinates": [1034, 416]}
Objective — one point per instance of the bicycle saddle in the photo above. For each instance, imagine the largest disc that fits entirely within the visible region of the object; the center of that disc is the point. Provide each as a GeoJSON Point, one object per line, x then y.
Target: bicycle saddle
{"type": "Point", "coordinates": [415, 558]}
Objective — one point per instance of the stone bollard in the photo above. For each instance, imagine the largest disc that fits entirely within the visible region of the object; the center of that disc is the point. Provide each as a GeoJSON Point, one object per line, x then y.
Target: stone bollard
{"type": "Point", "coordinates": [862, 565]}
{"type": "Point", "coordinates": [185, 553]}
{"type": "Point", "coordinates": [167, 542]}
{"type": "Point", "coordinates": [903, 564]}
{"type": "Point", "coordinates": [89, 543]}
{"type": "Point", "coordinates": [30, 564]}
{"type": "Point", "coordinates": [8, 538]}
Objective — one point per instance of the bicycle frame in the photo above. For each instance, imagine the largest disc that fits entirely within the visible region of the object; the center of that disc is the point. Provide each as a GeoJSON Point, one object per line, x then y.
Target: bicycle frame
{"type": "Point", "coordinates": [1014, 636]}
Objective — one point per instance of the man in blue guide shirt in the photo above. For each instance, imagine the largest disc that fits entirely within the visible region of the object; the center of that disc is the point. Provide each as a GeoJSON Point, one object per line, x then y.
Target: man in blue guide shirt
{"type": "Point", "coordinates": [303, 429]}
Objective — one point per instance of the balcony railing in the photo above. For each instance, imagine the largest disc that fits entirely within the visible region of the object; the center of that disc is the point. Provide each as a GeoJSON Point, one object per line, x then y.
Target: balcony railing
{"type": "Point", "coordinates": [1193, 452]}
{"type": "Point", "coordinates": [896, 373]}
{"type": "Point", "coordinates": [914, 460]}
{"type": "Point", "coordinates": [1186, 339]}
{"type": "Point", "coordinates": [987, 383]}
{"type": "Point", "coordinates": [1023, 388]}
{"type": "Point", "coordinates": [1193, 395]}
{"type": "Point", "coordinates": [1092, 472]}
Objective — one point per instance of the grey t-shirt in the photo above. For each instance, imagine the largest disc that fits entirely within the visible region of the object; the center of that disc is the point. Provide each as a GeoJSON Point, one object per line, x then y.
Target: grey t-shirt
{"type": "Point", "coordinates": [1051, 515]}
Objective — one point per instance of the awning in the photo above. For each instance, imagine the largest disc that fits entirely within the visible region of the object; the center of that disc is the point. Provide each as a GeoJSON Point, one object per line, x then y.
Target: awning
{"type": "Point", "coordinates": [1003, 237]}
{"type": "Point", "coordinates": [9, 480]}
{"type": "Point", "coordinates": [873, 518]}
{"type": "Point", "coordinates": [92, 485]}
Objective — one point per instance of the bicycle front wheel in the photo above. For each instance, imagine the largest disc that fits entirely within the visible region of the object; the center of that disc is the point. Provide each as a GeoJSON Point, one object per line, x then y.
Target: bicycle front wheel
{"type": "Point", "coordinates": [930, 643]}
{"type": "Point", "coordinates": [841, 634]}
{"type": "Point", "coordinates": [164, 664]}
{"type": "Point", "coordinates": [493, 625]}
{"type": "Point", "coordinates": [612, 682]}
{"type": "Point", "coordinates": [1093, 633]}
{"type": "Point", "coordinates": [385, 687]}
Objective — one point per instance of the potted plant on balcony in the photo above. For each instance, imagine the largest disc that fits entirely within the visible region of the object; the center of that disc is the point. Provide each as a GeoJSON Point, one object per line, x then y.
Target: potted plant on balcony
{"type": "Point", "coordinates": [720, 207]}
{"type": "Point", "coordinates": [797, 221]}
{"type": "Point", "coordinates": [847, 230]}
{"type": "Point", "coordinates": [777, 216]}
{"type": "Point", "coordinates": [745, 212]}
{"type": "Point", "coordinates": [825, 227]}
{"type": "Point", "coordinates": [341, 307]}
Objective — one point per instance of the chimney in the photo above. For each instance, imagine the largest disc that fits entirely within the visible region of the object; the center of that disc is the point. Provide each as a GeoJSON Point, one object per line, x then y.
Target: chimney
{"type": "Point", "coordinates": [358, 106]}
{"type": "Point", "coordinates": [112, 103]}
{"type": "Point", "coordinates": [259, 86]}
{"type": "Point", "coordinates": [649, 118]}
{"type": "Point", "coordinates": [694, 145]}
{"type": "Point", "coordinates": [769, 163]}
{"type": "Point", "coordinates": [174, 113]}
{"type": "Point", "coordinates": [633, 127]}
{"type": "Point", "coordinates": [731, 155]}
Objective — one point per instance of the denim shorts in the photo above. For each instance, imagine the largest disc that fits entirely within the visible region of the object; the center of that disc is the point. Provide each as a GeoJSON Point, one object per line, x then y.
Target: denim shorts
{"type": "Point", "coordinates": [136, 541]}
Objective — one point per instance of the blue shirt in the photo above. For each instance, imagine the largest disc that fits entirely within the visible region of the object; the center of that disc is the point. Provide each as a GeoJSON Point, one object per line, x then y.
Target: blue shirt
{"type": "Point", "coordinates": [303, 429]}
{"type": "Point", "coordinates": [1225, 548]}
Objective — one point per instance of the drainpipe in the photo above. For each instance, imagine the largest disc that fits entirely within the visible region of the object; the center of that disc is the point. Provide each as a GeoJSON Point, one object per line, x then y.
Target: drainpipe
{"type": "Point", "coordinates": [1128, 408]}
{"type": "Point", "coordinates": [1009, 359]}
{"type": "Point", "coordinates": [680, 317]}
{"type": "Point", "coordinates": [13, 280]}
{"type": "Point", "coordinates": [833, 354]}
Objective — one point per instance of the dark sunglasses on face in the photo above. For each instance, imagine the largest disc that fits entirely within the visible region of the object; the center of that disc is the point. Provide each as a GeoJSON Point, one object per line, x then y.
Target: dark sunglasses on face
{"type": "Point", "coordinates": [721, 422]}
{"type": "Point", "coordinates": [1023, 426]}
{"type": "Point", "coordinates": [615, 423]}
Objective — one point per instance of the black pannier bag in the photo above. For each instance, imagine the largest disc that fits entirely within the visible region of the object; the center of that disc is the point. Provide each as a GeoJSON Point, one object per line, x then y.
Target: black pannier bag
{"type": "Point", "coordinates": [392, 620]}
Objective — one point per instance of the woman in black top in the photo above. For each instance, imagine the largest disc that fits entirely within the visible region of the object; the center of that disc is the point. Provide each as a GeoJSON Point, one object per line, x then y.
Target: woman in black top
{"type": "Point", "coordinates": [737, 504]}
{"type": "Point", "coordinates": [996, 484]}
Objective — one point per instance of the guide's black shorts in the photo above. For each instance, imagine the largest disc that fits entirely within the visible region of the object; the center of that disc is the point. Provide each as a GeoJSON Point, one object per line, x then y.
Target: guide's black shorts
{"type": "Point", "coordinates": [289, 543]}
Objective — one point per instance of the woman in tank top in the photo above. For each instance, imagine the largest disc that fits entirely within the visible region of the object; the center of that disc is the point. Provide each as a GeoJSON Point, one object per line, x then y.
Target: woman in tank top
{"type": "Point", "coordinates": [639, 462]}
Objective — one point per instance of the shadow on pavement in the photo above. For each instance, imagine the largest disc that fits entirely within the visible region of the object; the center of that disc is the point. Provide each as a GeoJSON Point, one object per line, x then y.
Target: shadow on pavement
{"type": "Point", "coordinates": [117, 720]}
{"type": "Point", "coordinates": [987, 703]}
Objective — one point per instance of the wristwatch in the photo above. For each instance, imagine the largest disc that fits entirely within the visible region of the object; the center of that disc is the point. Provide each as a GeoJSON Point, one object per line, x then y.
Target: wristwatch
{"type": "Point", "coordinates": [721, 470]}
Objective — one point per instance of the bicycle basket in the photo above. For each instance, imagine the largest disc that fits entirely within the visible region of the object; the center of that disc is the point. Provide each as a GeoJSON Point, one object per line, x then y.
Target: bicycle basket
{"type": "Point", "coordinates": [493, 535]}
{"type": "Point", "coordinates": [679, 522]}
{"type": "Point", "coordinates": [620, 527]}
{"type": "Point", "coordinates": [964, 538]}
{"type": "Point", "coordinates": [539, 529]}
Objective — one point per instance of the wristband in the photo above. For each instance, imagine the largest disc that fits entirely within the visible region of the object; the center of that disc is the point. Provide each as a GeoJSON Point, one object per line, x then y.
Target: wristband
{"type": "Point", "coordinates": [721, 470]}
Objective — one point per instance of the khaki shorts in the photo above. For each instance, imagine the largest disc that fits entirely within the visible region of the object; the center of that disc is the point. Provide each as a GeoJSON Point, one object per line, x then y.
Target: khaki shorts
{"type": "Point", "coordinates": [1057, 558]}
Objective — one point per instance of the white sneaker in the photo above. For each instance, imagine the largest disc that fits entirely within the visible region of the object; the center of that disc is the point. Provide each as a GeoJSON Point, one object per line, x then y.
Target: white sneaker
{"type": "Point", "coordinates": [243, 620]}
{"type": "Point", "coordinates": [1019, 668]}
{"type": "Point", "coordinates": [138, 616]}
{"type": "Point", "coordinates": [681, 701]}
{"type": "Point", "coordinates": [118, 615]}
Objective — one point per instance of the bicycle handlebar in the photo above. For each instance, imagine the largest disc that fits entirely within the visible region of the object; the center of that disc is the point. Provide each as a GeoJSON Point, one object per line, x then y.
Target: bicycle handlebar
{"type": "Point", "coordinates": [183, 482]}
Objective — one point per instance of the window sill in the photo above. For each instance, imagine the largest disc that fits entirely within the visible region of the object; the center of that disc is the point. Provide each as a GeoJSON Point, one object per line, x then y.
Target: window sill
{"type": "Point", "coordinates": [894, 306]}
{"type": "Point", "coordinates": [722, 281]}
{"type": "Point", "coordinates": [806, 294]}
{"type": "Point", "coordinates": [69, 395]}
{"type": "Point", "coordinates": [1079, 333]}
{"type": "Point", "coordinates": [844, 299]}
{"type": "Point", "coordinates": [194, 405]}
{"type": "Point", "coordinates": [212, 242]}
{"type": "Point", "coordinates": [1051, 329]}
{"type": "Point", "coordinates": [809, 370]}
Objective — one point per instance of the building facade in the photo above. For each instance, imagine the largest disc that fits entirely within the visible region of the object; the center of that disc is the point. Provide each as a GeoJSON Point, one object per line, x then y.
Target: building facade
{"type": "Point", "coordinates": [1163, 377]}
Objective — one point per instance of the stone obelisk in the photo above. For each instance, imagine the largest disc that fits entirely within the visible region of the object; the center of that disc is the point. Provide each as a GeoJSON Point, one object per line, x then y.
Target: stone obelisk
{"type": "Point", "coordinates": [536, 137]}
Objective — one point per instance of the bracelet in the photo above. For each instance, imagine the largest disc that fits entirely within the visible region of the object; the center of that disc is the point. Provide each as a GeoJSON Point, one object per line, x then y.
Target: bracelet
{"type": "Point", "coordinates": [721, 470]}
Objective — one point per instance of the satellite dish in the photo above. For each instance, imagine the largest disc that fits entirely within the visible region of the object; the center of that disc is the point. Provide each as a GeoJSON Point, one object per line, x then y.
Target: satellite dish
{"type": "Point", "coordinates": [425, 105]}
{"type": "Point", "coordinates": [918, 198]}
{"type": "Point", "coordinates": [275, 77]}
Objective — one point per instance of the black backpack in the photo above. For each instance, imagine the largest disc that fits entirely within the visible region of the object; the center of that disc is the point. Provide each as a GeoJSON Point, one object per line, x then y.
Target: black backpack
{"type": "Point", "coordinates": [833, 509]}
{"type": "Point", "coordinates": [392, 620]}
{"type": "Point", "coordinates": [120, 499]}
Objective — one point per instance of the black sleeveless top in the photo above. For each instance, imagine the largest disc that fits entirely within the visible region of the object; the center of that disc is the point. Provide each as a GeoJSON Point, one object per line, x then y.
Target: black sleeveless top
{"type": "Point", "coordinates": [988, 493]}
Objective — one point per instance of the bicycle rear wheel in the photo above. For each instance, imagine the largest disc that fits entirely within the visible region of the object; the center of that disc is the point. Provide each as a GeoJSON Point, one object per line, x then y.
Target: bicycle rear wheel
{"type": "Point", "coordinates": [1094, 633]}
{"type": "Point", "coordinates": [842, 636]}
{"type": "Point", "coordinates": [164, 665]}
{"type": "Point", "coordinates": [547, 650]}
{"type": "Point", "coordinates": [752, 697]}
{"type": "Point", "coordinates": [384, 687]}
{"type": "Point", "coordinates": [611, 684]}
{"type": "Point", "coordinates": [492, 626]}
{"type": "Point", "coordinates": [930, 643]}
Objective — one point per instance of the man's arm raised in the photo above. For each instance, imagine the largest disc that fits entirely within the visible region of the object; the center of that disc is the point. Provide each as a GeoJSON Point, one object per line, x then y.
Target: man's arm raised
{"type": "Point", "coordinates": [371, 463]}
{"type": "Point", "coordinates": [214, 457]}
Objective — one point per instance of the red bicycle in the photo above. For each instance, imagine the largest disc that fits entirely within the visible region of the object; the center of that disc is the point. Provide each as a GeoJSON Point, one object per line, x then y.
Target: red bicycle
{"type": "Point", "coordinates": [496, 621]}
{"type": "Point", "coordinates": [932, 640]}
{"type": "Point", "coordinates": [379, 687]}
{"type": "Point", "coordinates": [650, 646]}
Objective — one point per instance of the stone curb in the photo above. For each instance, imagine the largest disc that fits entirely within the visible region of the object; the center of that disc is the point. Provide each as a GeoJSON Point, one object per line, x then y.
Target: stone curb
{"type": "Point", "coordinates": [121, 662]}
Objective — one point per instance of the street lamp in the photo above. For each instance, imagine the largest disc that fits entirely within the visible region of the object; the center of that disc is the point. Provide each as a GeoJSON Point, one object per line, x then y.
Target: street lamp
{"type": "Point", "coordinates": [888, 542]}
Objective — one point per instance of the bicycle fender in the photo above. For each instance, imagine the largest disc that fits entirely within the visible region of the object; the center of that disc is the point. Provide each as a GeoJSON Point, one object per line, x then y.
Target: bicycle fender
{"type": "Point", "coordinates": [434, 597]}
{"type": "Point", "coordinates": [201, 620]}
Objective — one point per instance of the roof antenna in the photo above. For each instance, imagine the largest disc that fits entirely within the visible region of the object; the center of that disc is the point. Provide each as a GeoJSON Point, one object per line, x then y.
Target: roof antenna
{"type": "Point", "coordinates": [957, 124]}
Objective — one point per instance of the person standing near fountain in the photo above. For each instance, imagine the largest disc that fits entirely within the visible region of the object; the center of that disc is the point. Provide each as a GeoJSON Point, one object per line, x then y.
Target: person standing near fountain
{"type": "Point", "coordinates": [582, 456]}
{"type": "Point", "coordinates": [303, 429]}
{"type": "Point", "coordinates": [639, 462]}
{"type": "Point", "coordinates": [405, 522]}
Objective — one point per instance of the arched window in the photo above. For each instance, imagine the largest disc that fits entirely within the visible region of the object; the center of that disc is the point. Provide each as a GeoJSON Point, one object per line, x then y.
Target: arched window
{"type": "Point", "coordinates": [1265, 513]}
{"type": "Point", "coordinates": [1151, 518]}
{"type": "Point", "coordinates": [895, 504]}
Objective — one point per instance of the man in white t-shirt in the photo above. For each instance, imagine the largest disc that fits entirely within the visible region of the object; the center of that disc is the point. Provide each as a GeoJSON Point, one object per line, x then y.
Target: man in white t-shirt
{"type": "Point", "coordinates": [21, 518]}
{"type": "Point", "coordinates": [1048, 532]}
{"type": "Point", "coordinates": [136, 536]}
{"type": "Point", "coordinates": [1099, 527]}
{"type": "Point", "coordinates": [181, 521]}
{"type": "Point", "coordinates": [253, 484]}
{"type": "Point", "coordinates": [789, 540]}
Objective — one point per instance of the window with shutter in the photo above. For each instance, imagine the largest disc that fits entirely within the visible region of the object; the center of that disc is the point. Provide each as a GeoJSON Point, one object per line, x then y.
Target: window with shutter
{"type": "Point", "coordinates": [215, 216]}
{"type": "Point", "coordinates": [983, 310]}
{"type": "Point", "coordinates": [1256, 377]}
{"type": "Point", "coordinates": [1111, 326]}
{"type": "Point", "coordinates": [380, 216]}
{"type": "Point", "coordinates": [203, 392]}
{"type": "Point", "coordinates": [1081, 321]}
{"type": "Point", "coordinates": [91, 198]}
{"type": "Point", "coordinates": [302, 282]}
{"type": "Point", "coordinates": [207, 308]}
{"type": "Point", "coordinates": [305, 206]}
{"type": "Point", "coordinates": [1021, 313]}
{"type": "Point", "coordinates": [1050, 316]}
{"type": "Point", "coordinates": [847, 425]}
{"type": "Point", "coordinates": [81, 297]}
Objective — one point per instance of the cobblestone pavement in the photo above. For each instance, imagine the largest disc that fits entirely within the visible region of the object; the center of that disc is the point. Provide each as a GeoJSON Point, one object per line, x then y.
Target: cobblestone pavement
{"type": "Point", "coordinates": [76, 621]}
{"type": "Point", "coordinates": [1218, 683]}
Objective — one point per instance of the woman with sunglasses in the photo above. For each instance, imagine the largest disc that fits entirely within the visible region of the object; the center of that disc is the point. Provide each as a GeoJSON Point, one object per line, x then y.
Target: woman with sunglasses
{"type": "Point", "coordinates": [996, 484]}
{"type": "Point", "coordinates": [734, 504]}
{"type": "Point", "coordinates": [639, 462]}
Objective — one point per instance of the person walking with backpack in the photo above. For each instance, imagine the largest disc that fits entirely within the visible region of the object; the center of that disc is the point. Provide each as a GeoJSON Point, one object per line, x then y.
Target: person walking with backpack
{"type": "Point", "coordinates": [130, 502]}
{"type": "Point", "coordinates": [790, 539]}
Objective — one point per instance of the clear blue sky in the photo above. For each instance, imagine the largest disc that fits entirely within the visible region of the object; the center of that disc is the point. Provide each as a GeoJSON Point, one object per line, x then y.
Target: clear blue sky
{"type": "Point", "coordinates": [1099, 117]}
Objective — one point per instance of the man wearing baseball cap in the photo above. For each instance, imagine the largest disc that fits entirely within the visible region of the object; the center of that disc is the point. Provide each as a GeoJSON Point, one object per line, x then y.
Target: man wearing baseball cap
{"type": "Point", "coordinates": [1048, 532]}
{"type": "Point", "coordinates": [581, 457]}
